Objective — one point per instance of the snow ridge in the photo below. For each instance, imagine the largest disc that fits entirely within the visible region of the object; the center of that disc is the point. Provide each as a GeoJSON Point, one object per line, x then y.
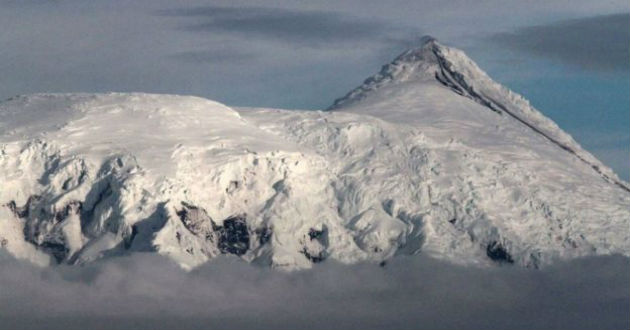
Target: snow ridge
{"type": "Point", "coordinates": [453, 69]}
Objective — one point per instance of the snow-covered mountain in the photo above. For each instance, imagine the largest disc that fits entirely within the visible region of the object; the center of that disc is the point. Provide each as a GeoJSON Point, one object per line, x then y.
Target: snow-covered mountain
{"type": "Point", "coordinates": [428, 156]}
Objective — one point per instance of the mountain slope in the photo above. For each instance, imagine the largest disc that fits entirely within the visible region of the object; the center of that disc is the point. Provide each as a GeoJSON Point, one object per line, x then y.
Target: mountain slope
{"type": "Point", "coordinates": [86, 176]}
{"type": "Point", "coordinates": [434, 62]}
{"type": "Point", "coordinates": [428, 156]}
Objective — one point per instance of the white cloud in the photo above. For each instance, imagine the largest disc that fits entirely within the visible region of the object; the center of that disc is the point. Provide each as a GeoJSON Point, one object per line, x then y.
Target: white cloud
{"type": "Point", "coordinates": [150, 292]}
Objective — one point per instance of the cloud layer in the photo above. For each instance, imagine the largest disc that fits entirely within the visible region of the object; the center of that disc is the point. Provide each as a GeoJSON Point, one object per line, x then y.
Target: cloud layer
{"type": "Point", "coordinates": [306, 28]}
{"type": "Point", "coordinates": [149, 292]}
{"type": "Point", "coordinates": [599, 42]}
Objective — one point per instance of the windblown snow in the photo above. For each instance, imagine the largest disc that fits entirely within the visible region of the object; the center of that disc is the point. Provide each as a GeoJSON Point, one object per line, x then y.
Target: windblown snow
{"type": "Point", "coordinates": [428, 156]}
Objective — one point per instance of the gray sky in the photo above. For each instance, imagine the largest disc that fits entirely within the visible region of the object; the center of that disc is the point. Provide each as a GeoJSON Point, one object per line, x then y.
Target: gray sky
{"type": "Point", "coordinates": [288, 54]}
{"type": "Point", "coordinates": [568, 57]}
{"type": "Point", "coordinates": [597, 43]}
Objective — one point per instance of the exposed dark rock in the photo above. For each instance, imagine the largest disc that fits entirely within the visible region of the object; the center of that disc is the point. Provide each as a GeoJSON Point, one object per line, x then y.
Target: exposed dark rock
{"type": "Point", "coordinates": [57, 250]}
{"type": "Point", "coordinates": [82, 176]}
{"type": "Point", "coordinates": [42, 228]}
{"type": "Point", "coordinates": [24, 211]}
{"type": "Point", "coordinates": [314, 248]}
{"type": "Point", "coordinates": [498, 253]}
{"type": "Point", "coordinates": [316, 234]}
{"type": "Point", "coordinates": [129, 241]}
{"type": "Point", "coordinates": [232, 187]}
{"type": "Point", "coordinates": [73, 182]}
{"type": "Point", "coordinates": [13, 208]}
{"type": "Point", "coordinates": [233, 235]}
{"type": "Point", "coordinates": [67, 183]}
{"type": "Point", "coordinates": [264, 235]}
{"type": "Point", "coordinates": [195, 219]}
{"type": "Point", "coordinates": [457, 82]}
{"type": "Point", "coordinates": [72, 207]}
{"type": "Point", "coordinates": [315, 258]}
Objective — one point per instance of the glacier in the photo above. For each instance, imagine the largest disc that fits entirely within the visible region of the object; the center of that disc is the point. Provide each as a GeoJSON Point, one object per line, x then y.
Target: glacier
{"type": "Point", "coordinates": [429, 155]}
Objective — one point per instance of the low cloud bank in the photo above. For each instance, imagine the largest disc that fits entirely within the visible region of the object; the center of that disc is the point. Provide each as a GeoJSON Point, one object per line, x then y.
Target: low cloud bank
{"type": "Point", "coordinates": [146, 291]}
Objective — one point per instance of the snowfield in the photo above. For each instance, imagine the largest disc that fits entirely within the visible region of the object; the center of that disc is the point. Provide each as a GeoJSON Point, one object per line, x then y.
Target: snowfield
{"type": "Point", "coordinates": [428, 156]}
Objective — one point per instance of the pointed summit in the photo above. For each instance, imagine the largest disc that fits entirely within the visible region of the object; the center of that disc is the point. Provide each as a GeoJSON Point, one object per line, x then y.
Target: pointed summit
{"type": "Point", "coordinates": [431, 61]}
{"type": "Point", "coordinates": [420, 62]}
{"type": "Point", "coordinates": [434, 76]}
{"type": "Point", "coordinates": [424, 53]}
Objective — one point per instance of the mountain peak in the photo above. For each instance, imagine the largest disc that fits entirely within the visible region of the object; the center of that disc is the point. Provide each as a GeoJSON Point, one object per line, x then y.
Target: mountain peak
{"type": "Point", "coordinates": [424, 52]}
{"type": "Point", "coordinates": [420, 63]}
{"type": "Point", "coordinates": [435, 65]}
